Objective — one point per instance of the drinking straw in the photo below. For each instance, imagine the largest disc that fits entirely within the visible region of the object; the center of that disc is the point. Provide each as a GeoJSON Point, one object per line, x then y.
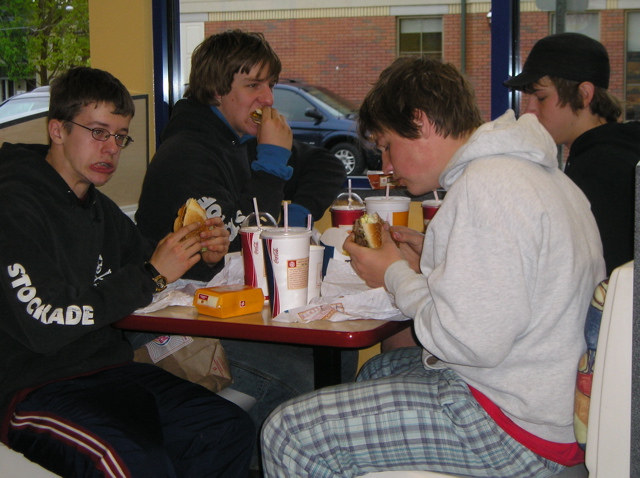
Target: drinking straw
{"type": "Point", "coordinates": [387, 194]}
{"type": "Point", "coordinates": [309, 219]}
{"type": "Point", "coordinates": [349, 200]}
{"type": "Point", "coordinates": [255, 209]}
{"type": "Point", "coordinates": [286, 216]}
{"type": "Point", "coordinates": [435, 194]}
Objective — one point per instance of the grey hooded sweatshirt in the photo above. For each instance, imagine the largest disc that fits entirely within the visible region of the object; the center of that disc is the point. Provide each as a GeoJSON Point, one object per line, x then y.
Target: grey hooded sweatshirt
{"type": "Point", "coordinates": [509, 265]}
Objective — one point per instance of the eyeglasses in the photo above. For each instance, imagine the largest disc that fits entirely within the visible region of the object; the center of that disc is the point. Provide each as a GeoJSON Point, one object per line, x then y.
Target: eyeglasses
{"type": "Point", "coordinates": [100, 134]}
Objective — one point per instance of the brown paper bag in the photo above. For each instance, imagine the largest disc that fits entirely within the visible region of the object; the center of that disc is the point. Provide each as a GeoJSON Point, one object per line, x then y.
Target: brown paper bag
{"type": "Point", "coordinates": [200, 360]}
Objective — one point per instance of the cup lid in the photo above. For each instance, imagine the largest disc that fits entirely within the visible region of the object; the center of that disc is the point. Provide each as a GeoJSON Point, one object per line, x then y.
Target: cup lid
{"type": "Point", "coordinates": [388, 199]}
{"type": "Point", "coordinates": [348, 199]}
{"type": "Point", "coordinates": [266, 220]}
{"type": "Point", "coordinates": [290, 232]}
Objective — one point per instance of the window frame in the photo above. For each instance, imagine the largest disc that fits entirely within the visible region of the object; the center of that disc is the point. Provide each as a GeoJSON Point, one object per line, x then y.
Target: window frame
{"type": "Point", "coordinates": [422, 52]}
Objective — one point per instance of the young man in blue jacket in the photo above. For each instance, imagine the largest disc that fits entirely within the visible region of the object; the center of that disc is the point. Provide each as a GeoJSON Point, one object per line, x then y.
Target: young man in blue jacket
{"type": "Point", "coordinates": [214, 151]}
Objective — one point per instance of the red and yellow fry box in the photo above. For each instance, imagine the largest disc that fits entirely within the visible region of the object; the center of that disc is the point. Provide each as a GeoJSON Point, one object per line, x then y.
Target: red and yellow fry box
{"type": "Point", "coordinates": [228, 300]}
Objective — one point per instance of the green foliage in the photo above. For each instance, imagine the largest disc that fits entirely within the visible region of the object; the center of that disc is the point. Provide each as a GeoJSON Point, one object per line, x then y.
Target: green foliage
{"type": "Point", "coordinates": [43, 37]}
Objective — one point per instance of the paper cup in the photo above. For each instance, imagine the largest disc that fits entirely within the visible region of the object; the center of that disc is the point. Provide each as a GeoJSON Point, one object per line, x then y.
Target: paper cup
{"type": "Point", "coordinates": [253, 259]}
{"type": "Point", "coordinates": [316, 259]}
{"type": "Point", "coordinates": [429, 209]}
{"type": "Point", "coordinates": [287, 266]}
{"type": "Point", "coordinates": [393, 209]}
{"type": "Point", "coordinates": [344, 216]}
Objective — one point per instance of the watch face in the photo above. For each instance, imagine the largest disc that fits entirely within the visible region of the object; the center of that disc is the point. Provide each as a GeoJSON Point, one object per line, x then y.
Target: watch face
{"type": "Point", "coordinates": [161, 283]}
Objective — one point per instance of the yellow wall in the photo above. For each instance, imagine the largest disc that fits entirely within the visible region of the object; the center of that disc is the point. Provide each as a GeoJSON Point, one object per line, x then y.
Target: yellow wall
{"type": "Point", "coordinates": [121, 34]}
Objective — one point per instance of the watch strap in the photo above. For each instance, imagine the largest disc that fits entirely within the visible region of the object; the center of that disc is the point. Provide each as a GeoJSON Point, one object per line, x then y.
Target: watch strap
{"type": "Point", "coordinates": [156, 277]}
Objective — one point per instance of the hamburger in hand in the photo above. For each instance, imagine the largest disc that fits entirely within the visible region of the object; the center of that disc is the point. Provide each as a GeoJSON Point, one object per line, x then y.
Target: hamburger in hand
{"type": "Point", "coordinates": [256, 116]}
{"type": "Point", "coordinates": [189, 213]}
{"type": "Point", "coordinates": [367, 231]}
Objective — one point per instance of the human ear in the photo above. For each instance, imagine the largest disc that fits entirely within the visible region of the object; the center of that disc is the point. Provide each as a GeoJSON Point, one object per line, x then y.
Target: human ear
{"type": "Point", "coordinates": [586, 90]}
{"type": "Point", "coordinates": [55, 128]}
{"type": "Point", "coordinates": [422, 122]}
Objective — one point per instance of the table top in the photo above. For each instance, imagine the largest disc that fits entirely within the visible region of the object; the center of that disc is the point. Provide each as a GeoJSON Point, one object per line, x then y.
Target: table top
{"type": "Point", "coordinates": [259, 327]}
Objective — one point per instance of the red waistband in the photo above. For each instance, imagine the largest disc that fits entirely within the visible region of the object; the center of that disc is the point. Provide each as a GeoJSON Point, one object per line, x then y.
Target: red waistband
{"type": "Point", "coordinates": [567, 454]}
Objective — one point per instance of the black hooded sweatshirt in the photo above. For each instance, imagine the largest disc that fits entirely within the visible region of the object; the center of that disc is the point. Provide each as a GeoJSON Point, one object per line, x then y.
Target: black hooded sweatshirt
{"type": "Point", "coordinates": [201, 157]}
{"type": "Point", "coordinates": [68, 270]}
{"type": "Point", "coordinates": [602, 162]}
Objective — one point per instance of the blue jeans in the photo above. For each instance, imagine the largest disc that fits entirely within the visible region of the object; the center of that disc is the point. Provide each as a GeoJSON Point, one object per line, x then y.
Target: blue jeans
{"type": "Point", "coordinates": [274, 373]}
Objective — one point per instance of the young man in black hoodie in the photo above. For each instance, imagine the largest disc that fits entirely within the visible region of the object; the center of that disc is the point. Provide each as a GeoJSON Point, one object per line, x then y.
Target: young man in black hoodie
{"type": "Point", "coordinates": [72, 264]}
{"type": "Point", "coordinates": [566, 77]}
{"type": "Point", "coordinates": [214, 151]}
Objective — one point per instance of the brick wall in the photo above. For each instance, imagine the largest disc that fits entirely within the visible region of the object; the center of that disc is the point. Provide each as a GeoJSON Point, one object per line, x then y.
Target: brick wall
{"type": "Point", "coordinates": [346, 55]}
{"type": "Point", "coordinates": [314, 49]}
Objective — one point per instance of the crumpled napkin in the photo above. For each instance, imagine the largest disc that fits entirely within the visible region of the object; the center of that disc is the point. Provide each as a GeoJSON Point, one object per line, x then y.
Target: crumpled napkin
{"type": "Point", "coordinates": [181, 292]}
{"type": "Point", "coordinates": [345, 297]}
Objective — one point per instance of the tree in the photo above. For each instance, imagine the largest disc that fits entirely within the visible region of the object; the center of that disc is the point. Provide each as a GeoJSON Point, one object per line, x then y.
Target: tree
{"type": "Point", "coordinates": [43, 37]}
{"type": "Point", "coordinates": [13, 40]}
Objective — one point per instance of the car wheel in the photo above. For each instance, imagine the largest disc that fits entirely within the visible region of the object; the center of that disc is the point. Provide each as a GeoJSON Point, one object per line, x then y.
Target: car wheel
{"type": "Point", "coordinates": [351, 157]}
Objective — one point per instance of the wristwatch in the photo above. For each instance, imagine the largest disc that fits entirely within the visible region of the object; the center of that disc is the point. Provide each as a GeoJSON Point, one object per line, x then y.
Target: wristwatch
{"type": "Point", "coordinates": [159, 279]}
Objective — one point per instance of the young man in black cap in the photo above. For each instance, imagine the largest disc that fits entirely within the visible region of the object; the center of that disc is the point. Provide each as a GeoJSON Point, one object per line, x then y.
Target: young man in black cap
{"type": "Point", "coordinates": [566, 77]}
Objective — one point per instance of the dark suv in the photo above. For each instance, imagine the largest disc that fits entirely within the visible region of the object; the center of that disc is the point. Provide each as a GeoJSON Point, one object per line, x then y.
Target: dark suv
{"type": "Point", "coordinates": [320, 117]}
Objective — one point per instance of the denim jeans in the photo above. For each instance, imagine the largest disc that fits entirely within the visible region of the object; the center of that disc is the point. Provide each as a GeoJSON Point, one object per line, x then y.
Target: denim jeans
{"type": "Point", "coordinates": [274, 373]}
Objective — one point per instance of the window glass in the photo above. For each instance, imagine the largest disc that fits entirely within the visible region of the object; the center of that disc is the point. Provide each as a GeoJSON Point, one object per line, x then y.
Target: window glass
{"type": "Point", "coordinates": [420, 36]}
{"type": "Point", "coordinates": [585, 23]}
{"type": "Point", "coordinates": [291, 105]}
{"type": "Point", "coordinates": [633, 67]}
{"type": "Point", "coordinates": [16, 106]}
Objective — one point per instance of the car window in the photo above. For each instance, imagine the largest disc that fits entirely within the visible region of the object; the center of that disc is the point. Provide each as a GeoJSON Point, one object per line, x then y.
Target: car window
{"type": "Point", "coordinates": [338, 105]}
{"type": "Point", "coordinates": [18, 106]}
{"type": "Point", "coordinates": [291, 105]}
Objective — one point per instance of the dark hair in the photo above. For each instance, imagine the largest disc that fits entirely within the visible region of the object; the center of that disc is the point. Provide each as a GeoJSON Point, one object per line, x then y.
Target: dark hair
{"type": "Point", "coordinates": [82, 86]}
{"type": "Point", "coordinates": [603, 103]}
{"type": "Point", "coordinates": [219, 57]}
{"type": "Point", "coordinates": [424, 84]}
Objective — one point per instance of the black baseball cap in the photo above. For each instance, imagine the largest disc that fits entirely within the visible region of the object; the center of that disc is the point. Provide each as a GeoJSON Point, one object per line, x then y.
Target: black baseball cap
{"type": "Point", "coordinates": [571, 56]}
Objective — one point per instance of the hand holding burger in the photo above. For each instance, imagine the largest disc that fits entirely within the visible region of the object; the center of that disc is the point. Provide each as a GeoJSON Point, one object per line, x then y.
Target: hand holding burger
{"type": "Point", "coordinates": [272, 127]}
{"type": "Point", "coordinates": [367, 231]}
{"type": "Point", "coordinates": [189, 213]}
{"type": "Point", "coordinates": [371, 263]}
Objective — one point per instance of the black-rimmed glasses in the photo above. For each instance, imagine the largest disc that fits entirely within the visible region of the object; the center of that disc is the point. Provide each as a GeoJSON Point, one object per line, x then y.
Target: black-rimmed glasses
{"type": "Point", "coordinates": [101, 134]}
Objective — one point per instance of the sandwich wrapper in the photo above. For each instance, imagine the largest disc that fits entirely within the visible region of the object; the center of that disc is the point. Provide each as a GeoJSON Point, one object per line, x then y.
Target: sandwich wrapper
{"type": "Point", "coordinates": [181, 292]}
{"type": "Point", "coordinates": [344, 296]}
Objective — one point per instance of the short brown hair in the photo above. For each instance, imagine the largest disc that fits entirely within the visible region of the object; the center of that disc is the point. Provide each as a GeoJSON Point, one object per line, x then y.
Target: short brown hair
{"type": "Point", "coordinates": [603, 104]}
{"type": "Point", "coordinates": [219, 57]}
{"type": "Point", "coordinates": [82, 86]}
{"type": "Point", "coordinates": [411, 84]}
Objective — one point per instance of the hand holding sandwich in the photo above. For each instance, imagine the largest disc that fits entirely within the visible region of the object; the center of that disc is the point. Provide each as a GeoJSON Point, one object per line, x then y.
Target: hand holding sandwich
{"type": "Point", "coordinates": [371, 264]}
{"type": "Point", "coordinates": [273, 129]}
{"type": "Point", "coordinates": [177, 253]}
{"type": "Point", "coordinates": [215, 239]}
{"type": "Point", "coordinates": [410, 243]}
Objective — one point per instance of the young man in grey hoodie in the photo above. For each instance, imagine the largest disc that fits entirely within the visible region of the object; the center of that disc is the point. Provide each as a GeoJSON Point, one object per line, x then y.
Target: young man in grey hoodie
{"type": "Point", "coordinates": [498, 288]}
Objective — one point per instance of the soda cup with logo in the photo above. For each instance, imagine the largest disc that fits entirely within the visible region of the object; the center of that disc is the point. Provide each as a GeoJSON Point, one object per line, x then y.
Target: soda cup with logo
{"type": "Point", "coordinates": [346, 208]}
{"type": "Point", "coordinates": [286, 253]}
{"type": "Point", "coordinates": [252, 253]}
{"type": "Point", "coordinates": [393, 209]}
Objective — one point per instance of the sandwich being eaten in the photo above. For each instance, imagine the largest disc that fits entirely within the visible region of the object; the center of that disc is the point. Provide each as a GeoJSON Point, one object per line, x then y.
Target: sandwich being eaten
{"type": "Point", "coordinates": [256, 116]}
{"type": "Point", "coordinates": [189, 213]}
{"type": "Point", "coordinates": [367, 231]}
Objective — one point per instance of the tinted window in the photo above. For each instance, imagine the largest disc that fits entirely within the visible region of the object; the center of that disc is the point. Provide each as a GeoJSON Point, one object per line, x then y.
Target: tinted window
{"type": "Point", "coordinates": [291, 105]}
{"type": "Point", "coordinates": [17, 106]}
